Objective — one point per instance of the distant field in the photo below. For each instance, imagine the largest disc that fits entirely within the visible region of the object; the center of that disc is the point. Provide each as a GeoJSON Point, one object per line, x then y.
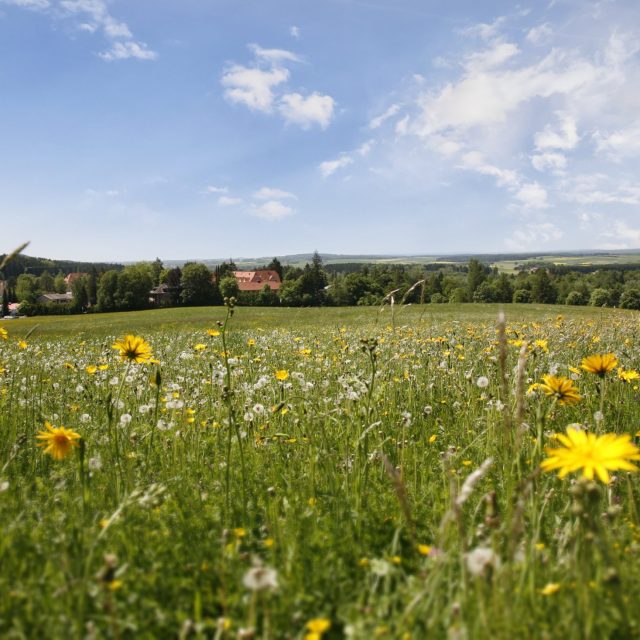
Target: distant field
{"type": "Point", "coordinates": [509, 266]}
{"type": "Point", "coordinates": [194, 318]}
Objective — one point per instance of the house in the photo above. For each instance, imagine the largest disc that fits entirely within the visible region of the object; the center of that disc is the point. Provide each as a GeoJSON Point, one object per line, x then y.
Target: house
{"type": "Point", "coordinates": [255, 280]}
{"type": "Point", "coordinates": [72, 277]}
{"type": "Point", "coordinates": [164, 295]}
{"type": "Point", "coordinates": [54, 298]}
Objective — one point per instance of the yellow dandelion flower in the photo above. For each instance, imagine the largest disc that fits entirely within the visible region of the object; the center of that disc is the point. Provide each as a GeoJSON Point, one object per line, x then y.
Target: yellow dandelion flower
{"type": "Point", "coordinates": [251, 342]}
{"type": "Point", "coordinates": [4, 334]}
{"type": "Point", "coordinates": [542, 344]}
{"type": "Point", "coordinates": [628, 375]}
{"type": "Point", "coordinates": [594, 455]}
{"type": "Point", "coordinates": [600, 364]}
{"type": "Point", "coordinates": [281, 374]}
{"type": "Point", "coordinates": [57, 441]}
{"type": "Point", "coordinates": [318, 626]}
{"type": "Point", "coordinates": [213, 332]}
{"type": "Point", "coordinates": [560, 388]}
{"type": "Point", "coordinates": [424, 549]}
{"type": "Point", "coordinates": [22, 344]}
{"type": "Point", "coordinates": [199, 347]}
{"type": "Point", "coordinates": [91, 369]}
{"type": "Point", "coordinates": [103, 367]}
{"type": "Point", "coordinates": [133, 348]}
{"type": "Point", "coordinates": [550, 588]}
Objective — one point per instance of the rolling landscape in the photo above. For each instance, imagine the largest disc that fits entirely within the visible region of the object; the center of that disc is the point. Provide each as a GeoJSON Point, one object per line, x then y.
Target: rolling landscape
{"type": "Point", "coordinates": [392, 389]}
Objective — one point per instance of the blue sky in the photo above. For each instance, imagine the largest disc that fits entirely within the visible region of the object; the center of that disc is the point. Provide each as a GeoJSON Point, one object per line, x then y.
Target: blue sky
{"type": "Point", "coordinates": [131, 129]}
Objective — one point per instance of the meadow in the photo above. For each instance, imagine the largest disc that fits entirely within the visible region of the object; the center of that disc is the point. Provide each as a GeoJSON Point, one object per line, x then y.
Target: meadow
{"type": "Point", "coordinates": [321, 473]}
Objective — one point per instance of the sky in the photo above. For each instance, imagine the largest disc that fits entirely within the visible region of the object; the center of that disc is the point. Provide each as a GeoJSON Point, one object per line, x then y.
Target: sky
{"type": "Point", "coordinates": [136, 129]}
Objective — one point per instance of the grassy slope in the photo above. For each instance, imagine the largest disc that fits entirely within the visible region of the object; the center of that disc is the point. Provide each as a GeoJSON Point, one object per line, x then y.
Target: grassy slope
{"type": "Point", "coordinates": [266, 318]}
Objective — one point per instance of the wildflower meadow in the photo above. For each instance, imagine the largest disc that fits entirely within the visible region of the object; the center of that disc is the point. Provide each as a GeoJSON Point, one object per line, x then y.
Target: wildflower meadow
{"type": "Point", "coordinates": [388, 474]}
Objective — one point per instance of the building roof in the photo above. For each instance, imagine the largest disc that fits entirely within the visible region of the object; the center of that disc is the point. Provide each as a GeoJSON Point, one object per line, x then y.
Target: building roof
{"type": "Point", "coordinates": [255, 280]}
{"type": "Point", "coordinates": [76, 275]}
{"type": "Point", "coordinates": [55, 297]}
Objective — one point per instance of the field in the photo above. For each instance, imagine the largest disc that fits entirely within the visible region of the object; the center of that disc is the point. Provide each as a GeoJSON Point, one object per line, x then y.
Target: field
{"type": "Point", "coordinates": [321, 474]}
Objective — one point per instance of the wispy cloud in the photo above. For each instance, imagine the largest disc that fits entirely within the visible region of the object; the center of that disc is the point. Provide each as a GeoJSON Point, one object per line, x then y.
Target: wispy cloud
{"type": "Point", "coordinates": [261, 86]}
{"type": "Point", "coordinates": [92, 16]}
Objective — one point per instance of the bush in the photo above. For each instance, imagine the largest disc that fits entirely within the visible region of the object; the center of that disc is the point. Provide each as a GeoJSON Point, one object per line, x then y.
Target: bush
{"type": "Point", "coordinates": [630, 299]}
{"type": "Point", "coordinates": [575, 298]}
{"type": "Point", "coordinates": [522, 296]}
{"type": "Point", "coordinates": [599, 298]}
{"type": "Point", "coordinates": [438, 298]}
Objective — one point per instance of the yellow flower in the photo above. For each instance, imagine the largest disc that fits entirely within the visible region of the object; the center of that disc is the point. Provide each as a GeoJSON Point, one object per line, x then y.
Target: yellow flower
{"type": "Point", "coordinates": [317, 627]}
{"type": "Point", "coordinates": [22, 344]}
{"type": "Point", "coordinates": [213, 332]}
{"type": "Point", "coordinates": [560, 388]}
{"type": "Point", "coordinates": [251, 342]}
{"type": "Point", "coordinates": [91, 369]}
{"type": "Point", "coordinates": [550, 588]}
{"type": "Point", "coordinates": [542, 344]}
{"type": "Point", "coordinates": [600, 364]}
{"type": "Point", "coordinates": [282, 375]}
{"type": "Point", "coordinates": [628, 375]}
{"type": "Point", "coordinates": [200, 347]}
{"type": "Point", "coordinates": [591, 453]}
{"type": "Point", "coordinates": [4, 334]}
{"type": "Point", "coordinates": [424, 549]}
{"type": "Point", "coordinates": [58, 441]}
{"type": "Point", "coordinates": [133, 348]}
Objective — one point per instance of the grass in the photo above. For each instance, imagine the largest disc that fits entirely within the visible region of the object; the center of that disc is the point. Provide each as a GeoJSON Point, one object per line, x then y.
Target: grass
{"type": "Point", "coordinates": [212, 498]}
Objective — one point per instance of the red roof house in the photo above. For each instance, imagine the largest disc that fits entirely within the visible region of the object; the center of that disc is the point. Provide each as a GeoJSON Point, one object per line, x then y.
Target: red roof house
{"type": "Point", "coordinates": [255, 280]}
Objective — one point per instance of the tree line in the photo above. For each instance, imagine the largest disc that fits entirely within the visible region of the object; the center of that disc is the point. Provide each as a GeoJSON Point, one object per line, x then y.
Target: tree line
{"type": "Point", "coordinates": [194, 284]}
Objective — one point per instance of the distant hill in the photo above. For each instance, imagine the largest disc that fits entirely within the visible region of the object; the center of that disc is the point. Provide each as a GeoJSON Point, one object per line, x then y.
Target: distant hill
{"type": "Point", "coordinates": [35, 266]}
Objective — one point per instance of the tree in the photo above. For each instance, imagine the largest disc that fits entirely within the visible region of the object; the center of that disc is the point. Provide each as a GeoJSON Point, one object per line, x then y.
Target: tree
{"type": "Point", "coordinates": [80, 294]}
{"type": "Point", "coordinates": [476, 275]}
{"type": "Point", "coordinates": [630, 299]}
{"type": "Point", "coordinates": [267, 297]}
{"type": "Point", "coordinates": [599, 298]}
{"type": "Point", "coordinates": [59, 284]}
{"type": "Point", "coordinates": [276, 265]}
{"type": "Point", "coordinates": [522, 296]}
{"type": "Point", "coordinates": [156, 271]}
{"type": "Point", "coordinates": [92, 287]}
{"type": "Point", "coordinates": [107, 288]}
{"type": "Point", "coordinates": [229, 287]}
{"type": "Point", "coordinates": [542, 289]}
{"type": "Point", "coordinates": [5, 301]}
{"type": "Point", "coordinates": [27, 288]}
{"type": "Point", "coordinates": [134, 284]}
{"type": "Point", "coordinates": [197, 285]}
{"type": "Point", "coordinates": [46, 282]}
{"type": "Point", "coordinates": [575, 298]}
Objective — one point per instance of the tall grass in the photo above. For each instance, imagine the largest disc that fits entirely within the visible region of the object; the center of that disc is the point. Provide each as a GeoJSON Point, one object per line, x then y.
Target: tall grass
{"type": "Point", "coordinates": [389, 483]}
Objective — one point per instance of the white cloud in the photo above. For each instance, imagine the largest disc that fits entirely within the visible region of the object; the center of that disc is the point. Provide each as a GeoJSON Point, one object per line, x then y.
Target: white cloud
{"type": "Point", "coordinates": [125, 50]}
{"type": "Point", "coordinates": [329, 167]}
{"type": "Point", "coordinates": [533, 236]}
{"type": "Point", "coordinates": [253, 87]}
{"type": "Point", "coordinates": [549, 161]}
{"type": "Point", "coordinates": [271, 210]}
{"type": "Point", "coordinates": [226, 201]}
{"type": "Point", "coordinates": [496, 56]}
{"type": "Point", "coordinates": [540, 34]}
{"type": "Point", "coordinates": [565, 137]}
{"type": "Point", "coordinates": [532, 196]}
{"type": "Point", "coordinates": [260, 89]}
{"type": "Point", "coordinates": [294, 32]}
{"type": "Point", "coordinates": [626, 237]}
{"type": "Point", "coordinates": [378, 121]}
{"type": "Point", "coordinates": [274, 56]}
{"type": "Point", "coordinates": [268, 193]}
{"type": "Point", "coordinates": [94, 15]}
{"type": "Point", "coordinates": [620, 143]}
{"type": "Point", "coordinates": [600, 189]}
{"type": "Point", "coordinates": [305, 112]}
{"type": "Point", "coordinates": [212, 189]}
{"type": "Point", "coordinates": [475, 161]}
{"type": "Point", "coordinates": [485, 31]}
{"type": "Point", "coordinates": [28, 4]}
{"type": "Point", "coordinates": [365, 148]}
